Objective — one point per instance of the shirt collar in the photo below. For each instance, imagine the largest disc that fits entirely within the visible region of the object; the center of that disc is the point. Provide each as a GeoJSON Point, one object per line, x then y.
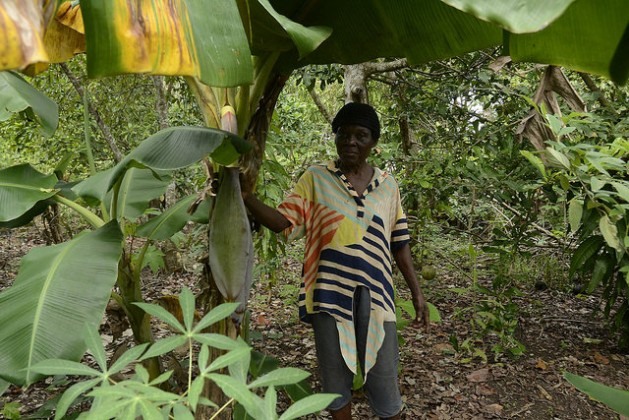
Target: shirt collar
{"type": "Point", "coordinates": [379, 174]}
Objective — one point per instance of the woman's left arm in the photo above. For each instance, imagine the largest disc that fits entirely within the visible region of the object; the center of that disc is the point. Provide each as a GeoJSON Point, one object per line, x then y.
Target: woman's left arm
{"type": "Point", "coordinates": [404, 261]}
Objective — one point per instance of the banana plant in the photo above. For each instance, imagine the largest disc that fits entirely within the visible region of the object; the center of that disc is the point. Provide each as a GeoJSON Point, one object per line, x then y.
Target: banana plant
{"type": "Point", "coordinates": [62, 286]}
{"type": "Point", "coordinates": [240, 53]}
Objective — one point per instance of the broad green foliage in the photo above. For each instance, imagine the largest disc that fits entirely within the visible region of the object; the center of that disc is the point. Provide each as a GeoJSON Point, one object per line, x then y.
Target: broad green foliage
{"type": "Point", "coordinates": [17, 95]}
{"type": "Point", "coordinates": [508, 14]}
{"type": "Point", "coordinates": [57, 289]}
{"type": "Point", "coordinates": [139, 395]}
{"type": "Point", "coordinates": [39, 312]}
{"type": "Point", "coordinates": [169, 149]}
{"type": "Point", "coordinates": [614, 398]}
{"type": "Point", "coordinates": [182, 37]}
{"type": "Point", "coordinates": [205, 39]}
{"type": "Point", "coordinates": [21, 188]}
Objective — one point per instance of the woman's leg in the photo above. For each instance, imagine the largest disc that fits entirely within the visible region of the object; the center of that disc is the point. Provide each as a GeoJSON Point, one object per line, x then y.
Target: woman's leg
{"type": "Point", "coordinates": [336, 377]}
{"type": "Point", "coordinates": [381, 386]}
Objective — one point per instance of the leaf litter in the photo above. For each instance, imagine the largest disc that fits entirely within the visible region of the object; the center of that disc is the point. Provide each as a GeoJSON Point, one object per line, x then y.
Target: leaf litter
{"type": "Point", "coordinates": [561, 332]}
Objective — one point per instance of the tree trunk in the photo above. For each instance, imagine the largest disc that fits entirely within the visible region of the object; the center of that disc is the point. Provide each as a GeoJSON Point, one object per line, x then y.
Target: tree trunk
{"type": "Point", "coordinates": [104, 128]}
{"type": "Point", "coordinates": [257, 131]}
{"type": "Point", "coordinates": [355, 83]}
{"type": "Point", "coordinates": [256, 134]}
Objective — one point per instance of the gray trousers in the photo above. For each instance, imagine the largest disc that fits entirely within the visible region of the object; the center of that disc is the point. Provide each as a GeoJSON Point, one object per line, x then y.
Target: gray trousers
{"type": "Point", "coordinates": [381, 387]}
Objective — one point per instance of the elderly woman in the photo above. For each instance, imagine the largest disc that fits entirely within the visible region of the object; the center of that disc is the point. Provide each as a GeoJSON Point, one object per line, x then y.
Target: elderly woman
{"type": "Point", "coordinates": [351, 216]}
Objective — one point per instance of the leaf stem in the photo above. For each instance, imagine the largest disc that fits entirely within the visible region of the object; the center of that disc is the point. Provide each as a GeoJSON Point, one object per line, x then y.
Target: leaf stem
{"type": "Point", "coordinates": [86, 130]}
{"type": "Point", "coordinates": [90, 217]}
{"type": "Point", "coordinates": [231, 400]}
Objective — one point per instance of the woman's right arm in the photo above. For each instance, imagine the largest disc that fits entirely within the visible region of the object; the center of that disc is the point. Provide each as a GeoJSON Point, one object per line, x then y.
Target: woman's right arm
{"type": "Point", "coordinates": [266, 215]}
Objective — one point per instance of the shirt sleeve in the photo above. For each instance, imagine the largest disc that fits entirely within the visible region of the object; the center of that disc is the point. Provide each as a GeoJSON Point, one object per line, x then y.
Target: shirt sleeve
{"type": "Point", "coordinates": [295, 207]}
{"type": "Point", "coordinates": [400, 235]}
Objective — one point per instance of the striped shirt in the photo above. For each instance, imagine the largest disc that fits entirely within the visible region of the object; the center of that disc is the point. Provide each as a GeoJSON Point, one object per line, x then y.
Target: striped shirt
{"type": "Point", "coordinates": [349, 238]}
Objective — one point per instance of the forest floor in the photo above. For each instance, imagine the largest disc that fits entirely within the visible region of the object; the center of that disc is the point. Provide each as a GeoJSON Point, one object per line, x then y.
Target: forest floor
{"type": "Point", "coordinates": [562, 333]}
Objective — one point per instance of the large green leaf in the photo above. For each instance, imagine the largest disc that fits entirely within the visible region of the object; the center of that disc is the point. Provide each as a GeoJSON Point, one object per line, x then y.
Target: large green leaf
{"type": "Point", "coordinates": [137, 189]}
{"type": "Point", "coordinates": [21, 187]}
{"type": "Point", "coordinates": [17, 95]}
{"type": "Point", "coordinates": [26, 218]}
{"type": "Point", "coordinates": [363, 30]}
{"type": "Point", "coordinates": [516, 16]}
{"type": "Point", "coordinates": [614, 398]}
{"type": "Point", "coordinates": [306, 39]}
{"type": "Point", "coordinates": [208, 38]}
{"type": "Point", "coordinates": [168, 223]}
{"type": "Point", "coordinates": [201, 38]}
{"type": "Point", "coordinates": [169, 149]}
{"type": "Point", "coordinates": [57, 290]}
{"type": "Point", "coordinates": [591, 36]}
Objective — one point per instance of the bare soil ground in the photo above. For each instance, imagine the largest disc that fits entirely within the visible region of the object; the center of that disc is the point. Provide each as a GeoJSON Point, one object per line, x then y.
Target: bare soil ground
{"type": "Point", "coordinates": [561, 332]}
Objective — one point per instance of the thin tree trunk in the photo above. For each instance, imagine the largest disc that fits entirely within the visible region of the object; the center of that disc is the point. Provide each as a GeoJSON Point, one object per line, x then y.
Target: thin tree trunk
{"type": "Point", "coordinates": [161, 104]}
{"type": "Point", "coordinates": [320, 105]}
{"type": "Point", "coordinates": [104, 128]}
{"type": "Point", "coordinates": [258, 129]}
{"type": "Point", "coordinates": [592, 86]}
{"type": "Point", "coordinates": [256, 134]}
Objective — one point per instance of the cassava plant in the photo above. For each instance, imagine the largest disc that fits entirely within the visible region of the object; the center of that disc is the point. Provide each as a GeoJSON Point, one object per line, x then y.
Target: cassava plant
{"type": "Point", "coordinates": [117, 395]}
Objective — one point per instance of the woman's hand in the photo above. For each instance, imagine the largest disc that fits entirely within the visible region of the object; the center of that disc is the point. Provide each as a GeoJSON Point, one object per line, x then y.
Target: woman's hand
{"type": "Point", "coordinates": [404, 262]}
{"type": "Point", "coordinates": [422, 312]}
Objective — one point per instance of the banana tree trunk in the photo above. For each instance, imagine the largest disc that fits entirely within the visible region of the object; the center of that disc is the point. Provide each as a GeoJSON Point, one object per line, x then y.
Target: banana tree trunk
{"type": "Point", "coordinates": [139, 320]}
{"type": "Point", "coordinates": [256, 133]}
{"type": "Point", "coordinates": [257, 130]}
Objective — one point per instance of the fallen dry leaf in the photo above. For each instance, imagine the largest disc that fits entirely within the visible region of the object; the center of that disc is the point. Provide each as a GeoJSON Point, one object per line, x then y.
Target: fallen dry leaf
{"type": "Point", "coordinates": [599, 358]}
{"type": "Point", "coordinates": [544, 393]}
{"type": "Point", "coordinates": [541, 364]}
{"type": "Point", "coordinates": [493, 408]}
{"type": "Point", "coordinates": [480, 375]}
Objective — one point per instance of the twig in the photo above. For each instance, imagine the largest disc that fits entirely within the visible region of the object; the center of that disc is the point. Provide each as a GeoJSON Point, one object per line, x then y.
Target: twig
{"type": "Point", "coordinates": [104, 128]}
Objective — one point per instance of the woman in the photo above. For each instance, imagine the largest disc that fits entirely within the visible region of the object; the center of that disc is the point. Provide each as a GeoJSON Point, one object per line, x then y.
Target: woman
{"type": "Point", "coordinates": [351, 216]}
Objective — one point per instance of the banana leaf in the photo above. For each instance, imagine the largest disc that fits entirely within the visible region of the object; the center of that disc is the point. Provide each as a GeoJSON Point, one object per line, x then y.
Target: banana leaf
{"type": "Point", "coordinates": [201, 38]}
{"type": "Point", "coordinates": [17, 95]}
{"type": "Point", "coordinates": [169, 149]}
{"type": "Point", "coordinates": [168, 223]}
{"type": "Point", "coordinates": [137, 189]}
{"type": "Point", "coordinates": [57, 290]}
{"type": "Point", "coordinates": [214, 39]}
{"type": "Point", "coordinates": [21, 22]}
{"type": "Point", "coordinates": [614, 398]}
{"type": "Point", "coordinates": [21, 188]}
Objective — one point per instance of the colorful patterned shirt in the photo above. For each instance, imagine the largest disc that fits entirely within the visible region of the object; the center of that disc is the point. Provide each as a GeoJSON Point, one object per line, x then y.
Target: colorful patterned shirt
{"type": "Point", "coordinates": [349, 238]}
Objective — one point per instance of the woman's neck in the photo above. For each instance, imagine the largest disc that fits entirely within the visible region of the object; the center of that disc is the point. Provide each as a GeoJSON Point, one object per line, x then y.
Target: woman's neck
{"type": "Point", "coordinates": [360, 169]}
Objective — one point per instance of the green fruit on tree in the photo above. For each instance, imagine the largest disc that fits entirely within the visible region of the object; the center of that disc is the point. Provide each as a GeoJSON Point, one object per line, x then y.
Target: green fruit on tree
{"type": "Point", "coordinates": [428, 272]}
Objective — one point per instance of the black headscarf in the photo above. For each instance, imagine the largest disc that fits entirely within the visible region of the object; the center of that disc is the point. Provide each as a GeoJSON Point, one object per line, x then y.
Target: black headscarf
{"type": "Point", "coordinates": [359, 114]}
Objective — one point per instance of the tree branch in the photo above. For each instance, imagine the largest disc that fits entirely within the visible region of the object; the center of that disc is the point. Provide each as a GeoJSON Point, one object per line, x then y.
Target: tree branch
{"type": "Point", "coordinates": [161, 105]}
{"type": "Point", "coordinates": [320, 105]}
{"type": "Point", "coordinates": [104, 128]}
{"type": "Point", "coordinates": [592, 86]}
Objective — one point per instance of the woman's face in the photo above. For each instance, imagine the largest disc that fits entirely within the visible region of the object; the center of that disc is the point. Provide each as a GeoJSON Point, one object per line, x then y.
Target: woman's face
{"type": "Point", "coordinates": [353, 144]}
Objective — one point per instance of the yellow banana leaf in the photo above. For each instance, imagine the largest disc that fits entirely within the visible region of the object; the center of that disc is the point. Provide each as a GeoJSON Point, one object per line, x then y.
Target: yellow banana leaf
{"type": "Point", "coordinates": [208, 39]}
{"type": "Point", "coordinates": [21, 30]}
{"type": "Point", "coordinates": [64, 35]}
{"type": "Point", "coordinates": [200, 38]}
{"type": "Point", "coordinates": [38, 34]}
